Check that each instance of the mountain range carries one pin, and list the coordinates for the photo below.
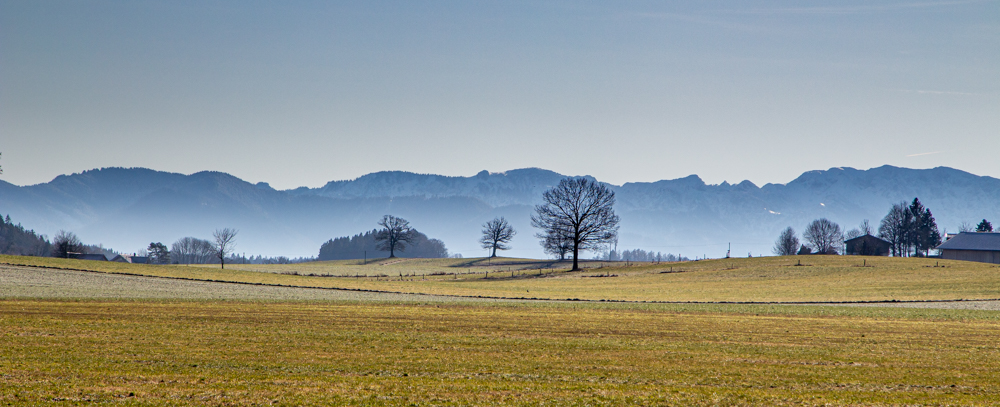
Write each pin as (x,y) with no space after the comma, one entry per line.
(127,208)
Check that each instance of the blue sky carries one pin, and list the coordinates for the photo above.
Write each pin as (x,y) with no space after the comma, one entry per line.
(300,93)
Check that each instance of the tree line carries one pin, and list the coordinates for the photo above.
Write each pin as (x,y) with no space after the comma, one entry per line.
(15,239)
(910,229)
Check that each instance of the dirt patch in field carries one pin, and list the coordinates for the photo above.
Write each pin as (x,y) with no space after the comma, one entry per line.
(979,305)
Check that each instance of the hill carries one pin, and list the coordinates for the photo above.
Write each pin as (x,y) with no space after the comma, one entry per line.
(127,208)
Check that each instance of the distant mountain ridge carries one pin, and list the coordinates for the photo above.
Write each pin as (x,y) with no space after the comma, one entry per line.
(126,208)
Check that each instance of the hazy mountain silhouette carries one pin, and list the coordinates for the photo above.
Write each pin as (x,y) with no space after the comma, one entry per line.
(127,208)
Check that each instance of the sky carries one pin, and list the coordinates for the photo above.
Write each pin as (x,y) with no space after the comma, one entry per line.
(298,93)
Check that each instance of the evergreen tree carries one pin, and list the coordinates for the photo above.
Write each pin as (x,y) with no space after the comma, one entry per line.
(984,226)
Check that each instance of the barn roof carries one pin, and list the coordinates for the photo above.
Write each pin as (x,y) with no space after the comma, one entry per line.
(867,237)
(973,241)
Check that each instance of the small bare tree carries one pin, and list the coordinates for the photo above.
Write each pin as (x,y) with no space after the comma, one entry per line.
(866,228)
(555,244)
(224,243)
(853,233)
(824,236)
(580,210)
(395,234)
(66,244)
(965,227)
(787,244)
(497,233)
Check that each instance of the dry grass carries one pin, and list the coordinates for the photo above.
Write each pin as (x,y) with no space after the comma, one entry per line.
(767,279)
(220,353)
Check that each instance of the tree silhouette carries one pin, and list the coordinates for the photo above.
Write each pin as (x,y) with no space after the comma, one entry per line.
(579,210)
(395,234)
(824,236)
(787,244)
(497,233)
(984,226)
(224,243)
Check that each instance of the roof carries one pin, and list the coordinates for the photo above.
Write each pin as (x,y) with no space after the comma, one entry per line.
(867,237)
(973,241)
(100,257)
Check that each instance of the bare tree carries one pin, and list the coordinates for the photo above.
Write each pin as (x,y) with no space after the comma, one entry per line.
(866,228)
(395,234)
(824,236)
(556,244)
(191,250)
(65,244)
(497,233)
(787,244)
(580,210)
(965,227)
(853,233)
(894,228)
(224,243)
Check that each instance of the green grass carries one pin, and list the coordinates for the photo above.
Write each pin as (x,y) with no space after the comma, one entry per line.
(765,279)
(239,353)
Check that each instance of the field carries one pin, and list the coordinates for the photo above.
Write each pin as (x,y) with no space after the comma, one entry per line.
(765,279)
(238,353)
(114,337)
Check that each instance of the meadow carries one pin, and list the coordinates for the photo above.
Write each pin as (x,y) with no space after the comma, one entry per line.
(362,353)
(114,335)
(763,279)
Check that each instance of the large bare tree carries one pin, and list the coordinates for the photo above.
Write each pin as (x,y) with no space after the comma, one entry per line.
(224,243)
(395,234)
(824,236)
(580,210)
(787,244)
(497,233)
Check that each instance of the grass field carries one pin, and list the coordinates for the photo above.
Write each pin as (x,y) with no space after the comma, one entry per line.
(239,353)
(118,337)
(765,279)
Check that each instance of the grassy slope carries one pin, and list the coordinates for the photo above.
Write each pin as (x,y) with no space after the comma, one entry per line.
(820,278)
(220,353)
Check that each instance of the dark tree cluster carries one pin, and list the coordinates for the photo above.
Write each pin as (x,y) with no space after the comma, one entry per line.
(910,229)
(158,253)
(15,239)
(365,244)
(984,227)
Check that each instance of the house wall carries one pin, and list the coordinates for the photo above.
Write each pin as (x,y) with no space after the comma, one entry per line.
(982,256)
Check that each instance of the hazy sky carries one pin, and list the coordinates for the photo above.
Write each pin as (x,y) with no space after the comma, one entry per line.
(301,93)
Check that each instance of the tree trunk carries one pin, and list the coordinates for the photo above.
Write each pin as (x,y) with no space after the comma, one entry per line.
(576,256)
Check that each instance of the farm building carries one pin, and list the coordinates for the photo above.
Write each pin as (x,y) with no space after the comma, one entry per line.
(972,246)
(867,245)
